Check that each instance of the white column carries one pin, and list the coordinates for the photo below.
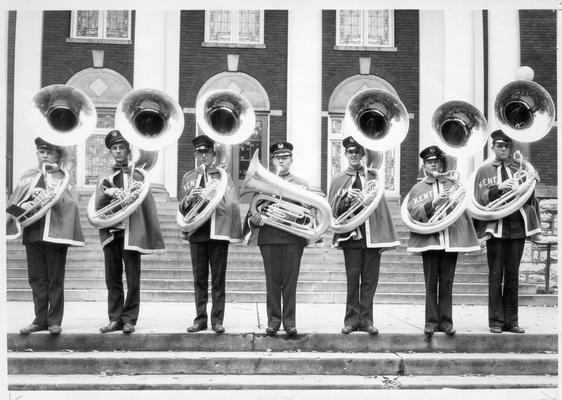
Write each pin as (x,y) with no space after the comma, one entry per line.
(3,102)
(27,81)
(504,57)
(304,91)
(155,69)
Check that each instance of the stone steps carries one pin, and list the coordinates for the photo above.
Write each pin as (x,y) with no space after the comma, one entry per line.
(272,382)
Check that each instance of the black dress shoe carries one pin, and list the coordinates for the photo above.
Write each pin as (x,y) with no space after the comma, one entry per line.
(218,328)
(517,329)
(111,327)
(450,331)
(371,330)
(292,331)
(129,327)
(196,327)
(348,329)
(32,328)
(495,329)
(271,331)
(429,331)
(55,329)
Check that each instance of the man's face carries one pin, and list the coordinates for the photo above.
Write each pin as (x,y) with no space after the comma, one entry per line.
(205,156)
(434,165)
(45,155)
(282,163)
(354,155)
(501,150)
(120,153)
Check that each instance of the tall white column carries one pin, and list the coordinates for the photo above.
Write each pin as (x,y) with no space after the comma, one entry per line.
(157,67)
(27,81)
(503,54)
(304,92)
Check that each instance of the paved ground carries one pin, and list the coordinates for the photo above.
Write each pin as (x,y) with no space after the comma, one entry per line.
(251,317)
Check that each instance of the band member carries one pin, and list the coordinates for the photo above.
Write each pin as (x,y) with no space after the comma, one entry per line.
(439,250)
(124,242)
(47,240)
(209,243)
(505,238)
(281,252)
(363,246)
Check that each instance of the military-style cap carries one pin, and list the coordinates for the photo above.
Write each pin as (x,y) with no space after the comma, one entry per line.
(432,153)
(40,143)
(500,137)
(350,142)
(114,137)
(203,142)
(281,149)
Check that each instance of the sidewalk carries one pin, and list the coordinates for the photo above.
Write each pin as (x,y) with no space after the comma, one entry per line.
(166,317)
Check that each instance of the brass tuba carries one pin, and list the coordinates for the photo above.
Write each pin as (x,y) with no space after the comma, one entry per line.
(284,205)
(525,112)
(63,116)
(460,130)
(377,120)
(150,120)
(228,118)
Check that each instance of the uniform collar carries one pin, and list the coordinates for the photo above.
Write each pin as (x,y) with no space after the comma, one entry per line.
(507,162)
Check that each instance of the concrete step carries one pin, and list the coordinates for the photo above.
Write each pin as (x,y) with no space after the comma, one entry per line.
(243,272)
(304,297)
(291,363)
(258,283)
(272,382)
(257,341)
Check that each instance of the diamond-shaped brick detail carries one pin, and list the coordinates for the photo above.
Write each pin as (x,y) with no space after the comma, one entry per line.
(98,87)
(234,87)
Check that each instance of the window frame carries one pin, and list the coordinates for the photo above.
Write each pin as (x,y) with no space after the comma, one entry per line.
(102,25)
(234,41)
(364,33)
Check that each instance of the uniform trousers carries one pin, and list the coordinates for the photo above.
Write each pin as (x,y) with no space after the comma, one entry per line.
(115,256)
(439,272)
(45,269)
(282,265)
(211,253)
(504,257)
(362,271)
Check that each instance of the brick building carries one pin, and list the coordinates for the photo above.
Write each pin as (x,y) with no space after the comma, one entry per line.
(298,69)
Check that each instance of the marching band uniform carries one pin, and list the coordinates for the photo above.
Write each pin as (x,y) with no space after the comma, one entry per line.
(505,239)
(209,243)
(439,250)
(46,242)
(140,233)
(281,253)
(361,247)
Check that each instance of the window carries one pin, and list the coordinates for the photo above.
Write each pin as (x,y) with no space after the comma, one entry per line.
(360,29)
(234,27)
(338,162)
(98,25)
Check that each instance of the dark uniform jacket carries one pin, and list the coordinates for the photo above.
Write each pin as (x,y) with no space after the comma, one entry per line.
(142,230)
(458,237)
(522,223)
(61,224)
(379,228)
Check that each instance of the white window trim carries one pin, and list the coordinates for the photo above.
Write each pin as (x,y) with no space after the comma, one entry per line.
(234,40)
(330,138)
(101,31)
(364,33)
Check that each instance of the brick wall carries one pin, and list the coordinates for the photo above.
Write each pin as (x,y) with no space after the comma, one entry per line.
(400,69)
(538,50)
(61,60)
(198,64)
